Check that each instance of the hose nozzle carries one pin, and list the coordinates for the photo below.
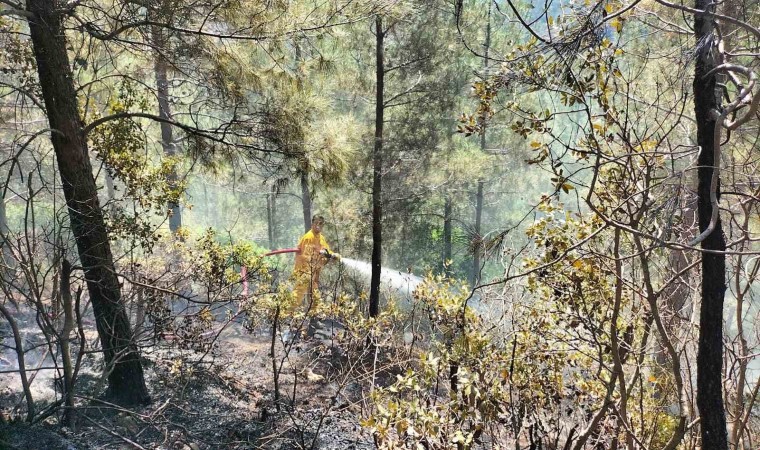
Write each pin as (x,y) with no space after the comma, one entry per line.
(326,253)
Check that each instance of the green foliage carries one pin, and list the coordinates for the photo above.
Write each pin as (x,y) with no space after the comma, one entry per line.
(17,63)
(416,411)
(120,144)
(218,265)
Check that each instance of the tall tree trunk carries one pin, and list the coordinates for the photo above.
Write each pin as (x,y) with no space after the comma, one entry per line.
(6,254)
(126,381)
(377,173)
(477,248)
(677,293)
(306,200)
(20,352)
(20,358)
(110,190)
(69,415)
(274,216)
(206,205)
(710,347)
(478,239)
(160,67)
(446,236)
(270,219)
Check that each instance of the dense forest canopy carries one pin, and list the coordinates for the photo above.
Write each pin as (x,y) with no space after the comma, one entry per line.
(383,224)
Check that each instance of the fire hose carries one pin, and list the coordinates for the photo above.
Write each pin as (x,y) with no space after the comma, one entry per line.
(323,252)
(282,250)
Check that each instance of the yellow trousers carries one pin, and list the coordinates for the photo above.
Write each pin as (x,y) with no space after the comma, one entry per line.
(304,296)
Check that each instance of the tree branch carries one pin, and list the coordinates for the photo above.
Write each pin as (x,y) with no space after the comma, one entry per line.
(24,92)
(16,12)
(728,19)
(13,5)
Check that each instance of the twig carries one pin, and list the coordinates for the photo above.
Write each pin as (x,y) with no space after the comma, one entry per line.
(115,434)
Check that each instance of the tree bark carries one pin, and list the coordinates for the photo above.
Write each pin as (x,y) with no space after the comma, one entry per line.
(446,237)
(377,173)
(274,216)
(69,415)
(306,200)
(19,349)
(160,67)
(125,377)
(270,220)
(110,190)
(5,243)
(478,239)
(206,205)
(710,347)
(477,248)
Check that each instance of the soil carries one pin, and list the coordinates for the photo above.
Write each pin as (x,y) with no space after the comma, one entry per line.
(220,399)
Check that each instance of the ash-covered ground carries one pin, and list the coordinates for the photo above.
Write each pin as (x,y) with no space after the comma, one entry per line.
(219,398)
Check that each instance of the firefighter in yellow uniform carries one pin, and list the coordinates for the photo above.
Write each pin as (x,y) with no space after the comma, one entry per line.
(313,254)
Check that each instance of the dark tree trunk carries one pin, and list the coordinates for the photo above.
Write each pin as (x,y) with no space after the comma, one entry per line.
(160,67)
(377,174)
(5,243)
(447,237)
(126,381)
(270,219)
(20,352)
(477,238)
(110,189)
(274,216)
(710,349)
(206,205)
(477,248)
(306,200)
(69,415)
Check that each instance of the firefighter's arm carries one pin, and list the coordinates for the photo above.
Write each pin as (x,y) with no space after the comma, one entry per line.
(327,251)
(329,255)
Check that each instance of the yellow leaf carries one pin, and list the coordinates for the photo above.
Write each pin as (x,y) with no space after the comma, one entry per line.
(652,379)
(617,24)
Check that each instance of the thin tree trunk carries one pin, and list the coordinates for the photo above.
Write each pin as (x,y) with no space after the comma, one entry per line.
(19,348)
(477,248)
(676,295)
(69,415)
(710,348)
(110,189)
(447,236)
(273,224)
(306,200)
(478,239)
(270,225)
(273,355)
(126,380)
(206,205)
(6,254)
(160,68)
(139,313)
(377,174)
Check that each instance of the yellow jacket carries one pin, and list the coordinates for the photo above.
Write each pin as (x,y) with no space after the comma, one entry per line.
(308,257)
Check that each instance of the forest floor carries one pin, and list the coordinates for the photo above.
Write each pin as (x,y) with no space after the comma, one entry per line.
(222,399)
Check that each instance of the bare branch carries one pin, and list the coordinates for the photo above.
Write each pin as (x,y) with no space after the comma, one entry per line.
(728,19)
(16,12)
